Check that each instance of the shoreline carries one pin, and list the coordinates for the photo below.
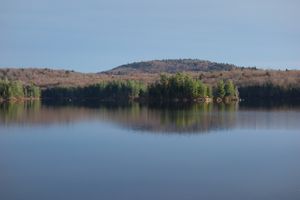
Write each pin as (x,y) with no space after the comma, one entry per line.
(23,99)
(137,100)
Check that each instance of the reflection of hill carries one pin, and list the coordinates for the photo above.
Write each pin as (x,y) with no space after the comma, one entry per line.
(198,118)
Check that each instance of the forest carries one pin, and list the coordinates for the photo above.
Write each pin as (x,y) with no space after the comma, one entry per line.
(178,87)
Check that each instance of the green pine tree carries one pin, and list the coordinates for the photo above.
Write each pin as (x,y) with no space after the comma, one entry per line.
(221,89)
(229,88)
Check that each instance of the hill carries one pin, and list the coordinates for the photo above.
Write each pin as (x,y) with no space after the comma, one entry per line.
(170,66)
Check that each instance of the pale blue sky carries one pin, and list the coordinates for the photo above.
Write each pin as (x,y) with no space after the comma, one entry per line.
(95,35)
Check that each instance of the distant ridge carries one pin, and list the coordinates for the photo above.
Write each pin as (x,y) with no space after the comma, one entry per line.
(149,71)
(170,66)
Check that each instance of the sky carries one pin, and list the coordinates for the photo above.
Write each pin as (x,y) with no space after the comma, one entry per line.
(97,35)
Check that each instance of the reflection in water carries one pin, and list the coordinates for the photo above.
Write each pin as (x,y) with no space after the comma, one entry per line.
(193,118)
(90,152)
(197,118)
(18,112)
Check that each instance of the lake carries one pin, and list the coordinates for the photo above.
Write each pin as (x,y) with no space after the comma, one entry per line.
(62,152)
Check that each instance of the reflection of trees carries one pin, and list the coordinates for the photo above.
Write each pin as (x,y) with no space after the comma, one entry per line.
(175,118)
(195,118)
(34,113)
(18,111)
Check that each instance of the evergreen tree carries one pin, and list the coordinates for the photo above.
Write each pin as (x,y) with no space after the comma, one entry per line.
(209,91)
(32,91)
(15,90)
(229,88)
(4,89)
(221,89)
(202,91)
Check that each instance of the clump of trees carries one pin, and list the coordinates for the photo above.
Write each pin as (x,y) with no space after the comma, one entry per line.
(227,89)
(32,91)
(15,90)
(178,87)
(184,87)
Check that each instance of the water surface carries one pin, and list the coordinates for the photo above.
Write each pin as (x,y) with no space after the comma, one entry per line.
(149,152)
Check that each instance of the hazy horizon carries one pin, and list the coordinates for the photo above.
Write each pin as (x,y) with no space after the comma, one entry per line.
(93,36)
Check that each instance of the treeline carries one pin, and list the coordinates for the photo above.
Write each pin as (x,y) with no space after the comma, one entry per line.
(169,88)
(14,90)
(105,91)
(178,87)
(184,87)
(270,92)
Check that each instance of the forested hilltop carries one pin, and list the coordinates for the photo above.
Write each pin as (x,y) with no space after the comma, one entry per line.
(252,82)
(171,66)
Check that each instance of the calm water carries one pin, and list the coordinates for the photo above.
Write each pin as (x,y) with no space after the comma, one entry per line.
(138,152)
